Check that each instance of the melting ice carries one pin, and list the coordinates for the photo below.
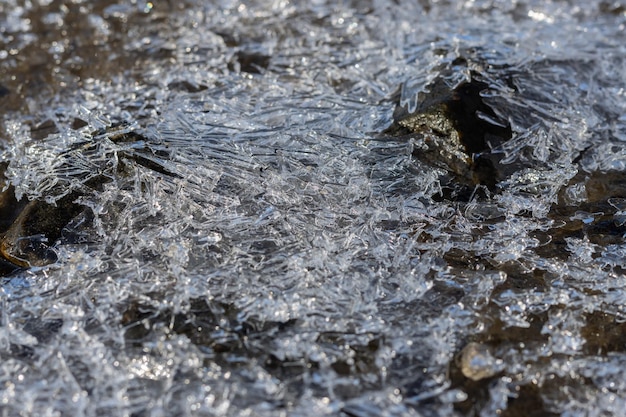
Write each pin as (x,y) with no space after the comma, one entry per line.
(249,241)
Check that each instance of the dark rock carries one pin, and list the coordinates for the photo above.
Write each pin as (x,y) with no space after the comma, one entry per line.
(456,131)
(30,229)
(251,62)
(29,240)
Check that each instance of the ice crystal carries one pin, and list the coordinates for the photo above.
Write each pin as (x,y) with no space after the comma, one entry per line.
(251,241)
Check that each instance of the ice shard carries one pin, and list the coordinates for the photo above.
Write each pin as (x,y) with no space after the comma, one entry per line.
(353,208)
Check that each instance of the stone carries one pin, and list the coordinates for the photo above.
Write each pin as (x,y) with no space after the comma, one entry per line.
(455,130)
(477,362)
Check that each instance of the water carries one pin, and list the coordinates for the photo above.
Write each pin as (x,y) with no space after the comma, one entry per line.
(252,243)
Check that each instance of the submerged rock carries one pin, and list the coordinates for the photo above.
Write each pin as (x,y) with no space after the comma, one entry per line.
(456,130)
(477,362)
(38,226)
(30,229)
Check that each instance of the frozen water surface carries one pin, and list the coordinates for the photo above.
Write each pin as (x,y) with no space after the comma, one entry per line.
(250,242)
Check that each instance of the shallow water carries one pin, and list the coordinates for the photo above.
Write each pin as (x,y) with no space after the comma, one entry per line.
(253,243)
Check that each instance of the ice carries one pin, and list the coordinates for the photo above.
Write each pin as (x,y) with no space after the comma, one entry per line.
(251,240)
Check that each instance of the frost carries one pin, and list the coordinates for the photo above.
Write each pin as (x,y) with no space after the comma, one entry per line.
(250,240)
